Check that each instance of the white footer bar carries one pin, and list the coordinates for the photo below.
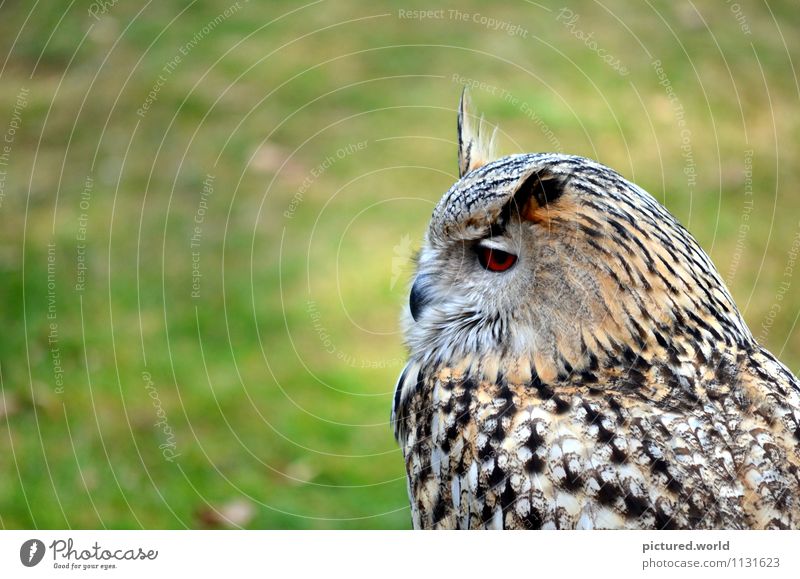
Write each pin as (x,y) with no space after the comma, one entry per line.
(331,554)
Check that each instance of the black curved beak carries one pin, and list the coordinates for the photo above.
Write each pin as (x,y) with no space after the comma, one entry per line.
(420,295)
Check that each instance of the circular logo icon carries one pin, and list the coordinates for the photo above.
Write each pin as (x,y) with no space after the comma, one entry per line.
(31,552)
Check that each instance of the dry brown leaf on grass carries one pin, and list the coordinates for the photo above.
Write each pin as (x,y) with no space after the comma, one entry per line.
(233,514)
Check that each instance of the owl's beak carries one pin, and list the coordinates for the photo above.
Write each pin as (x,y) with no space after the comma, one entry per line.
(420,295)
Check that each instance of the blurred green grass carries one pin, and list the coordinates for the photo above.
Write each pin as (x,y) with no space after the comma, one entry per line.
(276,381)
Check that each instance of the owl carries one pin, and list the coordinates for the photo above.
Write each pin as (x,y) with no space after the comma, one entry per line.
(576,362)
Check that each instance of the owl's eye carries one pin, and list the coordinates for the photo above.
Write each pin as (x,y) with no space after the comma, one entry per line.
(495,260)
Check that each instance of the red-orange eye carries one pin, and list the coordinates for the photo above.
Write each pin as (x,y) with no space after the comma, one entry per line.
(495,260)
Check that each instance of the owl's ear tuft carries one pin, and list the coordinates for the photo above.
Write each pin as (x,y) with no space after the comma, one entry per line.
(474,150)
(535,192)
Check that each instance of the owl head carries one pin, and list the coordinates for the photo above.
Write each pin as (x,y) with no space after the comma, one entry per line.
(558,263)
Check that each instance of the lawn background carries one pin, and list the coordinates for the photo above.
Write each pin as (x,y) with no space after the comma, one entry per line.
(307,143)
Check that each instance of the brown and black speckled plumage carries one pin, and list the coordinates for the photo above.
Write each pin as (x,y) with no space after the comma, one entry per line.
(606,380)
